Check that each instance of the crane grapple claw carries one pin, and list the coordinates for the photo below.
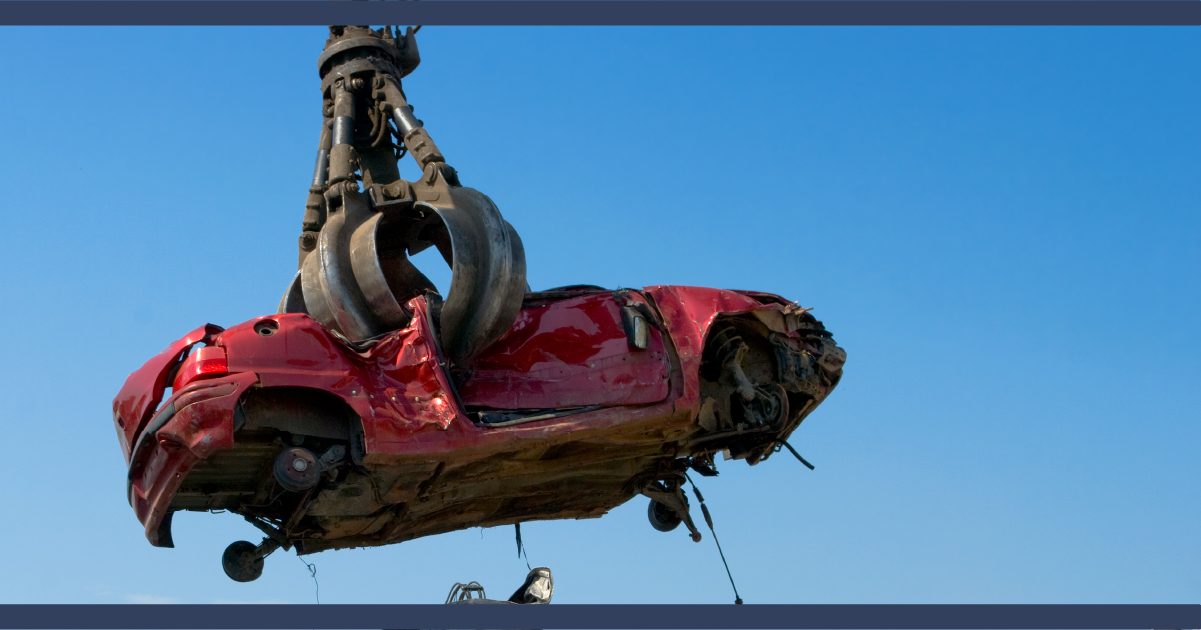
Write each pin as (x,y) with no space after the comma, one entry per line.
(355,274)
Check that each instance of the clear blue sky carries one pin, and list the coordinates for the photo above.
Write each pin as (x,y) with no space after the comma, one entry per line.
(1000,225)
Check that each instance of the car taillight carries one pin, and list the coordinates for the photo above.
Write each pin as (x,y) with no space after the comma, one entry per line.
(203,363)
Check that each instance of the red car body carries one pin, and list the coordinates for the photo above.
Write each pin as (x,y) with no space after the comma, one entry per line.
(573,412)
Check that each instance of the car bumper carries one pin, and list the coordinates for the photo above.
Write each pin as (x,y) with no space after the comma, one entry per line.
(195,423)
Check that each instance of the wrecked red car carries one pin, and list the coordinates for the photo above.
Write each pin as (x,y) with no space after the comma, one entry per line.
(370,411)
(592,397)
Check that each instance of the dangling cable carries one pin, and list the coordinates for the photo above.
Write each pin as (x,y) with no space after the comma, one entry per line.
(709,521)
(793,450)
(313,570)
(521,548)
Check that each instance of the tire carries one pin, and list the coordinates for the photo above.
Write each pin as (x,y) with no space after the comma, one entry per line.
(662,517)
(241,563)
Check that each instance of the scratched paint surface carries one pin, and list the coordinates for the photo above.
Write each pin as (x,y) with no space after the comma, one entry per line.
(143,390)
(688,312)
(568,353)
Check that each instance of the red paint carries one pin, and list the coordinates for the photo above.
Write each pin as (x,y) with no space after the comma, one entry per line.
(567,353)
(202,425)
(563,352)
(688,312)
(144,389)
(205,362)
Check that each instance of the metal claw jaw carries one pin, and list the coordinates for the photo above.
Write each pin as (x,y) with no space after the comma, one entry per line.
(487,274)
(359,276)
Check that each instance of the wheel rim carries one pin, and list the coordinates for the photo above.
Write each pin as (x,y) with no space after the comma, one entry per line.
(297,470)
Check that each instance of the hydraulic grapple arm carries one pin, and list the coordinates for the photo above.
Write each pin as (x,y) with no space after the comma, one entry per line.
(354,270)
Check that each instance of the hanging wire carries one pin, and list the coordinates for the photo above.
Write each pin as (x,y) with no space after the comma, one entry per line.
(793,450)
(313,571)
(521,548)
(709,521)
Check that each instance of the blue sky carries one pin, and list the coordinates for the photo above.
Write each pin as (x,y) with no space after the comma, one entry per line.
(1000,225)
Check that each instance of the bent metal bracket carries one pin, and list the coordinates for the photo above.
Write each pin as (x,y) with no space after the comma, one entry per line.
(354,272)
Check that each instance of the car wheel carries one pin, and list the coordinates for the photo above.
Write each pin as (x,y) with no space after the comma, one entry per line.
(662,517)
(241,562)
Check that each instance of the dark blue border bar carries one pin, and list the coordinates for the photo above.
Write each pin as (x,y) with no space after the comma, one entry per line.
(930,617)
(602,12)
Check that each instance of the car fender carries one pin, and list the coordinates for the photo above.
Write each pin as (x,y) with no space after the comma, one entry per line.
(143,390)
(193,425)
(688,314)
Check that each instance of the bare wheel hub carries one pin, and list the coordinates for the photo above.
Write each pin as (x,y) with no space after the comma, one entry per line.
(297,470)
